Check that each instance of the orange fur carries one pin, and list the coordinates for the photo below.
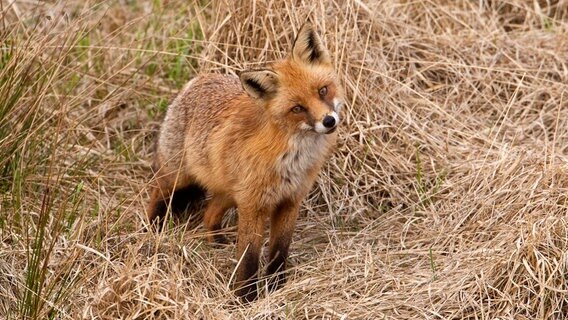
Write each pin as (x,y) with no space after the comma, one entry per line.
(256,143)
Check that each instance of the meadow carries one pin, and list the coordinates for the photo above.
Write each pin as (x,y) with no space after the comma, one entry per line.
(446,197)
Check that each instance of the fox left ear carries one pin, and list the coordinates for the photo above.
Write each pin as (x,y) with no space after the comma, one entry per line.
(308,47)
(259,84)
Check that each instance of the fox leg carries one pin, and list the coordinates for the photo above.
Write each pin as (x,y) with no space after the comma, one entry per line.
(159,201)
(282,224)
(249,238)
(213,216)
(167,191)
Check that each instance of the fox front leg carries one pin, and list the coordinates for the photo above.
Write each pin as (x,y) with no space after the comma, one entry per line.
(249,241)
(282,224)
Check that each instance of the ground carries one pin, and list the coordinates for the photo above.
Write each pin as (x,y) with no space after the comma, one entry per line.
(446,198)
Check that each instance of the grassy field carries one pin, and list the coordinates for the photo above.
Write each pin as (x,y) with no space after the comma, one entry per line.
(447,196)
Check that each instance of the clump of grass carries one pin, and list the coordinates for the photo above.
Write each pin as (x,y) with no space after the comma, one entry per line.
(446,197)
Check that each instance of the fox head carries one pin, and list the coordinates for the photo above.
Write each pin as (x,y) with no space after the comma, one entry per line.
(301,92)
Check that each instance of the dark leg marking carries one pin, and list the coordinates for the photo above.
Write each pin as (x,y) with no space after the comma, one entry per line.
(247,288)
(283,221)
(219,238)
(277,265)
(186,197)
(181,200)
(157,213)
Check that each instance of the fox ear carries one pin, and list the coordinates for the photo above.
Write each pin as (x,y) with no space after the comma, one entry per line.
(308,47)
(259,84)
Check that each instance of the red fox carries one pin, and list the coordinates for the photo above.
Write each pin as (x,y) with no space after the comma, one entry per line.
(256,142)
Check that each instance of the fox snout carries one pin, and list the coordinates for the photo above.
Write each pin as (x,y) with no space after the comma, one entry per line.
(329,122)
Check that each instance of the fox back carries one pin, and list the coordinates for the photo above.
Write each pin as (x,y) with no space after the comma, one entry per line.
(257,142)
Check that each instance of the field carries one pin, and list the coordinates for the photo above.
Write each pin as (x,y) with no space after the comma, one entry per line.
(446,197)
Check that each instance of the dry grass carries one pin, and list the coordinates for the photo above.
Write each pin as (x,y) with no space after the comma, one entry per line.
(446,199)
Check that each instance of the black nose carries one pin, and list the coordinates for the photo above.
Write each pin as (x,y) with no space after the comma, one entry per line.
(329,122)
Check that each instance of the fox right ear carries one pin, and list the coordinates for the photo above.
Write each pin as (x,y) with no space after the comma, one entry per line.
(259,84)
(309,48)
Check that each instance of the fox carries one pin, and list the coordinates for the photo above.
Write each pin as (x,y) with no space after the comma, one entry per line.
(255,141)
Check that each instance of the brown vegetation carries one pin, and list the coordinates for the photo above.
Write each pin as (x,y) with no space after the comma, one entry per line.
(446,199)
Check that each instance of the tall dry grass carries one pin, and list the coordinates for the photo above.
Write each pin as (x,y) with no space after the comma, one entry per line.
(447,197)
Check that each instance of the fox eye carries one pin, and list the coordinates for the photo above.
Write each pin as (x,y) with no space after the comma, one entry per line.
(298,108)
(323,91)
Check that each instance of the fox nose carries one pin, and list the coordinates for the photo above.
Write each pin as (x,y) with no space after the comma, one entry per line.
(328,122)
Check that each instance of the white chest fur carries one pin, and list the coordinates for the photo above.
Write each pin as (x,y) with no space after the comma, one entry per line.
(304,151)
